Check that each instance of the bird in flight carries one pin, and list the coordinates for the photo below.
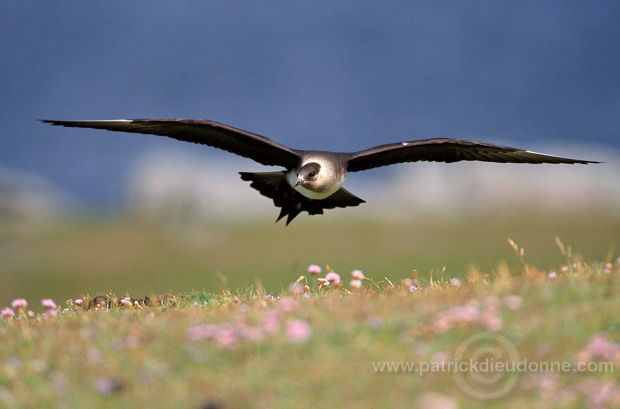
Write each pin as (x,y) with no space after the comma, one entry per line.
(312,180)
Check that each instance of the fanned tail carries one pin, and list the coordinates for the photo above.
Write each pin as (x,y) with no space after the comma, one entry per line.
(274,186)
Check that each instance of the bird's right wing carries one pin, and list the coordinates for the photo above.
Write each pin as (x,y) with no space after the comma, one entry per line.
(446,150)
(259,148)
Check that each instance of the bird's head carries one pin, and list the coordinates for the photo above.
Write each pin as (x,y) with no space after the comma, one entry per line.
(307,175)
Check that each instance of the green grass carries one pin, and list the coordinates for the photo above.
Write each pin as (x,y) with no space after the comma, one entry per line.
(229,333)
(234,349)
(72,256)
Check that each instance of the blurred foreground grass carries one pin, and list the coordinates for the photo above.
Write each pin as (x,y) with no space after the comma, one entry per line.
(391,344)
(77,256)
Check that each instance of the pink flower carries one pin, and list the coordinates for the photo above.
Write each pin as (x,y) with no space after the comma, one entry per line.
(78,302)
(271,323)
(7,313)
(19,304)
(287,304)
(333,278)
(322,282)
(441,324)
(227,338)
(252,334)
(492,321)
(298,330)
(463,314)
(357,274)
(48,303)
(355,284)
(601,347)
(513,302)
(201,332)
(492,302)
(471,314)
(455,282)
(314,269)
(552,275)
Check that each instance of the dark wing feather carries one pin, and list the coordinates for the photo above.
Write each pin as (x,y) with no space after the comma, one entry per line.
(259,148)
(446,150)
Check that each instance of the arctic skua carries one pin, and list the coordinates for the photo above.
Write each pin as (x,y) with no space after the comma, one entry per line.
(312,179)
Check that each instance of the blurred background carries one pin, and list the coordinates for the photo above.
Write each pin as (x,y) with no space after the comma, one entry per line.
(86,211)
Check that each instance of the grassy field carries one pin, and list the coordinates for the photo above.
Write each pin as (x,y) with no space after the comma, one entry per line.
(511,310)
(393,344)
(74,257)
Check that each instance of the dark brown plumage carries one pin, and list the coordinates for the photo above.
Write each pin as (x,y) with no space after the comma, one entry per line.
(313,191)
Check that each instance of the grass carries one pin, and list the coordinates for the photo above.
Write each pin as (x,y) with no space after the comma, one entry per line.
(232,325)
(90,256)
(330,347)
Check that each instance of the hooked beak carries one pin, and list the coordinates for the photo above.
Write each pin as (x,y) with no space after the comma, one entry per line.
(299,181)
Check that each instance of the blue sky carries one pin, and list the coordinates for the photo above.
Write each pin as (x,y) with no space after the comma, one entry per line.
(330,75)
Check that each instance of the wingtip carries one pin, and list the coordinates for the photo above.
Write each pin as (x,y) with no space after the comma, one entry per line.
(52,122)
(586,162)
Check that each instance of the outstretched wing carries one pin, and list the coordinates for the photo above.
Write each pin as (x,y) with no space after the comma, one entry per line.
(446,150)
(259,148)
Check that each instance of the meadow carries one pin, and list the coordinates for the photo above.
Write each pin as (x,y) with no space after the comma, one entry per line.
(73,256)
(500,311)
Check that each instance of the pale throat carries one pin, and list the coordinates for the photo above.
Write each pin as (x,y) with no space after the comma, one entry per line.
(325,185)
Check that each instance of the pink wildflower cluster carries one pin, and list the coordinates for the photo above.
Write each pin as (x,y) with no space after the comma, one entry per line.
(409,285)
(597,393)
(226,335)
(357,282)
(600,348)
(485,312)
(229,335)
(19,307)
(579,267)
(50,307)
(48,304)
(19,304)
(333,279)
(298,330)
(7,313)
(330,278)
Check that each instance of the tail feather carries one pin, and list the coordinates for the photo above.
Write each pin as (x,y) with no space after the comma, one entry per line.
(274,186)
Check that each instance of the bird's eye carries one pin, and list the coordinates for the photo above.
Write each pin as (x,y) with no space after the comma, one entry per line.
(311,174)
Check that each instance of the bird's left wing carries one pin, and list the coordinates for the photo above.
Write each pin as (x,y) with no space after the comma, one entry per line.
(259,148)
(446,150)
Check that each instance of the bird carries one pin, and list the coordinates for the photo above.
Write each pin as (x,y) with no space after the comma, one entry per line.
(312,179)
